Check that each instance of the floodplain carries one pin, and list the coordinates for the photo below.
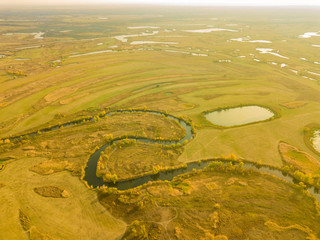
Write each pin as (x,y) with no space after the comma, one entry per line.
(131,87)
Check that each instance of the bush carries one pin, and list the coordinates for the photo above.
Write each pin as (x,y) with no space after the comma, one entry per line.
(232,156)
(107,177)
(109,138)
(215,165)
(156,169)
(306,178)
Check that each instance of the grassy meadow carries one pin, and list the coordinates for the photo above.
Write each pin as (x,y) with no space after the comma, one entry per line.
(62,64)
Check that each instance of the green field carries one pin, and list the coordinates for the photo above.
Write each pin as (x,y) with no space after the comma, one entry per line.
(87,60)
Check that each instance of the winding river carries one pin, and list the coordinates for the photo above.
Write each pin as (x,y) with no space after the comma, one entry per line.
(90,170)
(92,180)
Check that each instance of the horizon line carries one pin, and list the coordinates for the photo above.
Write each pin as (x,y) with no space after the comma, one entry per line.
(164,4)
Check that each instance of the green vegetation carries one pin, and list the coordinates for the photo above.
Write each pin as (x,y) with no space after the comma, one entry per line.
(301,165)
(141,75)
(299,160)
(82,67)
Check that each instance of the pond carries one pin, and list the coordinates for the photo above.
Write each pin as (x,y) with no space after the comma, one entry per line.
(239,116)
(151,42)
(189,53)
(247,39)
(310,34)
(141,27)
(270,51)
(209,30)
(124,38)
(315,140)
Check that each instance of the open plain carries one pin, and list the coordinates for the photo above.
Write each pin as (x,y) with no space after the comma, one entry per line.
(134,80)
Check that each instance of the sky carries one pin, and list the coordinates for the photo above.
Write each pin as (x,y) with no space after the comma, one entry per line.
(168,2)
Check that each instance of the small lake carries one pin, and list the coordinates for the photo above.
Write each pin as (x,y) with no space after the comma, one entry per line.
(141,27)
(239,116)
(269,51)
(124,38)
(209,30)
(315,140)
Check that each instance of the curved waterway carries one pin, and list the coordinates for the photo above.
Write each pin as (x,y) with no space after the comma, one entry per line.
(170,174)
(92,180)
(90,171)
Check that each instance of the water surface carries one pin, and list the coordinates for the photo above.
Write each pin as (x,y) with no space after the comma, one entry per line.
(238,116)
(151,42)
(315,140)
(209,30)
(90,171)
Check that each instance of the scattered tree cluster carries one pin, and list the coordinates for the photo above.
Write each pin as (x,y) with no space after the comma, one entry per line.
(303,178)
(16,73)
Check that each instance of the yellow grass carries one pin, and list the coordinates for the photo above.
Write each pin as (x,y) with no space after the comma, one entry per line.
(78,216)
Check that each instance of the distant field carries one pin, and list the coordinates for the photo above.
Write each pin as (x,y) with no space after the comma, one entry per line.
(59,65)
(165,76)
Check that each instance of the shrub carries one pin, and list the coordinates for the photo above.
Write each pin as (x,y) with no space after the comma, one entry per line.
(156,169)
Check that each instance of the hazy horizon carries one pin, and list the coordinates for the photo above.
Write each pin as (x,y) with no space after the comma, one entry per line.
(167,2)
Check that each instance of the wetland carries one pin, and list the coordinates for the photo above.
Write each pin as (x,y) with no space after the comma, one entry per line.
(108,130)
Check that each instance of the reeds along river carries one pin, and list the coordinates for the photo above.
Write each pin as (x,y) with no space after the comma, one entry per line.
(90,170)
(92,180)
